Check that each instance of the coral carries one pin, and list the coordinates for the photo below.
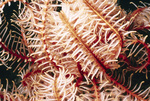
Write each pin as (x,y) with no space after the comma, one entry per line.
(74,50)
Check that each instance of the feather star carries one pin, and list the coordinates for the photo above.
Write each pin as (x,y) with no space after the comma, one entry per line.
(74,50)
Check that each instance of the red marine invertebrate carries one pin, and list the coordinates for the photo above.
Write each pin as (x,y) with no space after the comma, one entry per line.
(74,50)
